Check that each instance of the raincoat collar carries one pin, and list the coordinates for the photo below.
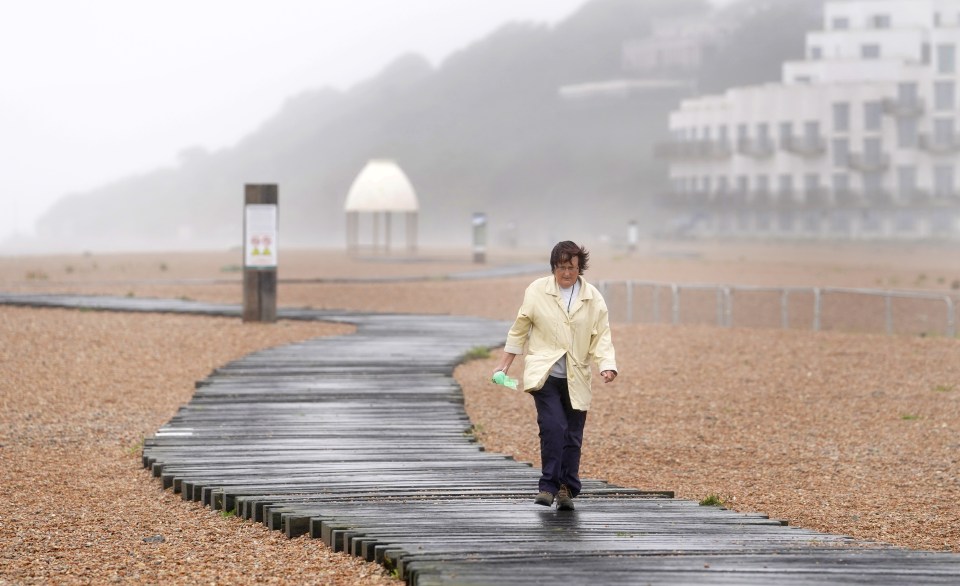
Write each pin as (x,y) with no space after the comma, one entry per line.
(583,292)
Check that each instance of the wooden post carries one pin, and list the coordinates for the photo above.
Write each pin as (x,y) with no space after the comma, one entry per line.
(260,219)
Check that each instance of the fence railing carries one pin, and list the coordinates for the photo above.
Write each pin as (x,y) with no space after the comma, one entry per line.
(816,308)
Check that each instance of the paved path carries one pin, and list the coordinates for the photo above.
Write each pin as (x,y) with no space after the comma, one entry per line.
(362,441)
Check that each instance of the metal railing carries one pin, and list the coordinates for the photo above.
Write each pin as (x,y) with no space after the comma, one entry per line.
(816,308)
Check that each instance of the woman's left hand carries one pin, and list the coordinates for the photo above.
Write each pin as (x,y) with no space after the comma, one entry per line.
(608,375)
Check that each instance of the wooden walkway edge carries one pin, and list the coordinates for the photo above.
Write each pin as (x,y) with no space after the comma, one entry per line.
(362,441)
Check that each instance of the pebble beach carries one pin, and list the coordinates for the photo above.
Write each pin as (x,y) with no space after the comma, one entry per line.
(848,432)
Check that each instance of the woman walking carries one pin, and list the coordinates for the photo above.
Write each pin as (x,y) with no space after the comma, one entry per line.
(563,322)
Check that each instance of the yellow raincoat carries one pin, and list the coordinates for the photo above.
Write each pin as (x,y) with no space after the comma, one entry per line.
(549,332)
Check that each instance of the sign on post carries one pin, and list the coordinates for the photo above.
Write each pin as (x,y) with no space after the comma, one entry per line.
(260,245)
(260,221)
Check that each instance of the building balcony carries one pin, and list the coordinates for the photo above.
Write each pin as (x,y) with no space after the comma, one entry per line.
(899,108)
(763,197)
(693,149)
(867,162)
(879,196)
(940,145)
(846,197)
(951,197)
(812,199)
(703,199)
(758,148)
(682,199)
(913,195)
(805,146)
(818,196)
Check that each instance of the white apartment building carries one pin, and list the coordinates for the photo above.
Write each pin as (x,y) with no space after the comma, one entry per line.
(859,140)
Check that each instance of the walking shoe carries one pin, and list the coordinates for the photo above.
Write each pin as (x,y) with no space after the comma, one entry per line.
(564,500)
(544,498)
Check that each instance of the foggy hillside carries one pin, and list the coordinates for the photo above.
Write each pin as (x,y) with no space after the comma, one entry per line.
(485,131)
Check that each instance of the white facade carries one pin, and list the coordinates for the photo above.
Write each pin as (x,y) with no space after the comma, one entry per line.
(859,140)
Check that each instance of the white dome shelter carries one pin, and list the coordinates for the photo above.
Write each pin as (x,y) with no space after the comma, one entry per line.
(379,190)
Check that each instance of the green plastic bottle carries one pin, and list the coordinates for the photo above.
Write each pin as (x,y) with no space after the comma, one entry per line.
(501,378)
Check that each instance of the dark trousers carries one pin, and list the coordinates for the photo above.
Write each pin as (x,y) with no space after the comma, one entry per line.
(561,436)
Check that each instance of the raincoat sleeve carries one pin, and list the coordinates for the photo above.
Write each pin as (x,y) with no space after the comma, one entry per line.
(601,342)
(520,330)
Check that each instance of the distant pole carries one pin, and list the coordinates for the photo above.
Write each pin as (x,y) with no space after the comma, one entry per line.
(633,235)
(260,219)
(479,237)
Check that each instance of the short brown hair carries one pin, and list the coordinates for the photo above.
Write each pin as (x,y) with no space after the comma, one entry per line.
(565,251)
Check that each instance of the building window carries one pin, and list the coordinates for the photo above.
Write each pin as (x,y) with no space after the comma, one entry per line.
(925,53)
(841,23)
(811,183)
(763,221)
(763,131)
(786,132)
(762,184)
(811,130)
(841,117)
(906,133)
(785,222)
(870,51)
(743,184)
(785,184)
(943,180)
(906,180)
(944,95)
(743,138)
(722,184)
(722,133)
(881,21)
(907,93)
(763,137)
(841,183)
(872,150)
(816,53)
(872,184)
(841,152)
(946,58)
(840,222)
(943,131)
(872,115)
(905,221)
(707,183)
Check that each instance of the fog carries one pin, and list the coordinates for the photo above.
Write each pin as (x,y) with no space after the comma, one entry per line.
(100,90)
(128,127)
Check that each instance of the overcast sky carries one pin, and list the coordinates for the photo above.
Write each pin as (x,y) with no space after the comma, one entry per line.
(96,90)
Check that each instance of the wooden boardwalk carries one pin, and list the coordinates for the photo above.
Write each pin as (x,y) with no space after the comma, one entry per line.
(362,441)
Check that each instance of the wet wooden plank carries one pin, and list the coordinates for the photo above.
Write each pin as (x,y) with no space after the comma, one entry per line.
(362,442)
